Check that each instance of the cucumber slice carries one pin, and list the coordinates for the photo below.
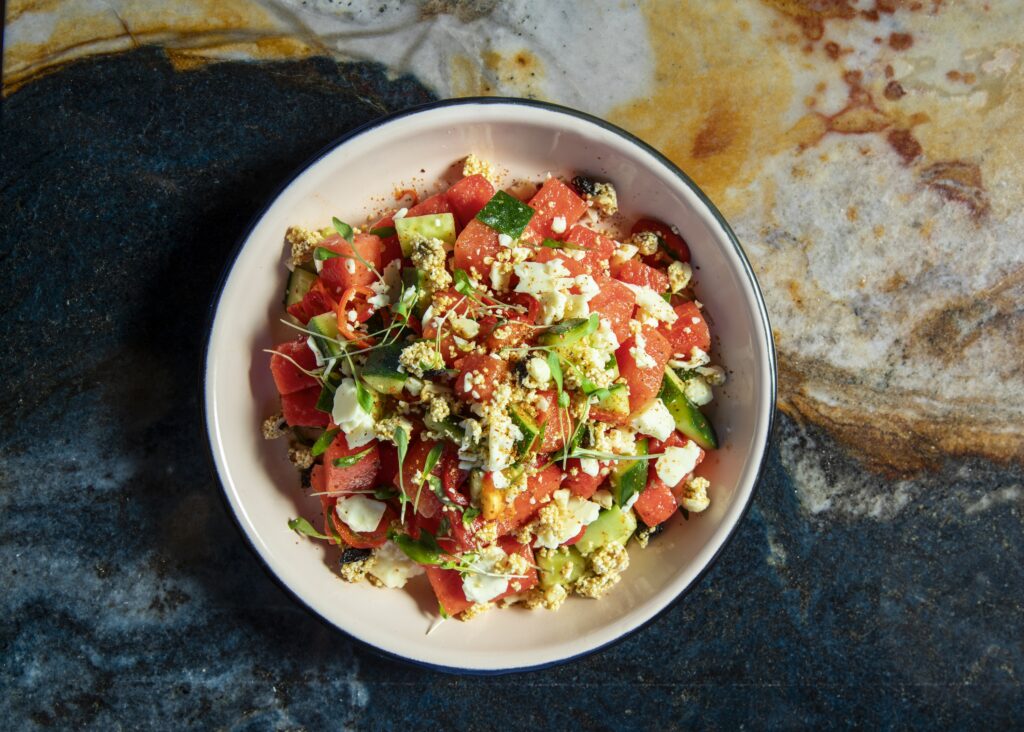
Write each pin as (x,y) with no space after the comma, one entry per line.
(380,372)
(506,215)
(447,427)
(617,400)
(561,566)
(613,525)
(412,277)
(689,419)
(527,426)
(630,476)
(432,226)
(299,282)
(569,331)
(326,327)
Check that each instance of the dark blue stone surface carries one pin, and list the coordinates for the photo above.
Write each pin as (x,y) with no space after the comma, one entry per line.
(130,600)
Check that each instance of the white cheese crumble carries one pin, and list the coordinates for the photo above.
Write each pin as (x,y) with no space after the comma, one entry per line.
(652,304)
(697,359)
(347,413)
(505,240)
(623,253)
(539,371)
(679,274)
(479,585)
(590,466)
(654,420)
(677,462)
(558,224)
(697,390)
(466,327)
(392,567)
(400,214)
(639,353)
(361,514)
(563,518)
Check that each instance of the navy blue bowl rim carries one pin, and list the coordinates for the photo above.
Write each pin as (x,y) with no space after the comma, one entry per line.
(559,109)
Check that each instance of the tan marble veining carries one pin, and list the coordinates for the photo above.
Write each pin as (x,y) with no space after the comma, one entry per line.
(867,152)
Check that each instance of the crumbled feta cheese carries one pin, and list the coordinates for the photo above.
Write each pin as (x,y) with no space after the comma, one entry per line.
(679,274)
(466,327)
(400,214)
(479,585)
(652,304)
(414,386)
(654,420)
(590,466)
(392,567)
(587,286)
(677,462)
(714,375)
(562,519)
(552,306)
(538,278)
(603,498)
(558,224)
(623,253)
(349,415)
(616,440)
(575,307)
(697,358)
(639,353)
(502,434)
(605,199)
(539,371)
(361,514)
(695,494)
(501,276)
(505,240)
(697,390)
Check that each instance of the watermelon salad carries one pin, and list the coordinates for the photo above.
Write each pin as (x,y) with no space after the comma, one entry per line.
(497,388)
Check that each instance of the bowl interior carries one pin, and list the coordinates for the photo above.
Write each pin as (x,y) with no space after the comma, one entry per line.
(358,178)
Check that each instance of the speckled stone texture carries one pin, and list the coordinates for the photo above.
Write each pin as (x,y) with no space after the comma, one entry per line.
(130,599)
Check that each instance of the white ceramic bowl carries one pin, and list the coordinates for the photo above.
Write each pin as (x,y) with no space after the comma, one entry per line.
(349,180)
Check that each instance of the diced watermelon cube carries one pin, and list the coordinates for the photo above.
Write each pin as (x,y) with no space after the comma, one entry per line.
(644,381)
(436,204)
(468,196)
(299,408)
(554,199)
(635,272)
(655,503)
(362,474)
(340,273)
(615,302)
(288,377)
(475,244)
(690,330)
(581,484)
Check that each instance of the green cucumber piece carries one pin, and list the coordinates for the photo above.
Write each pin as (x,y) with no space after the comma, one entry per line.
(553,563)
(380,372)
(325,402)
(299,282)
(325,326)
(506,215)
(613,525)
(569,331)
(448,427)
(526,425)
(630,476)
(617,399)
(689,419)
(412,277)
(432,226)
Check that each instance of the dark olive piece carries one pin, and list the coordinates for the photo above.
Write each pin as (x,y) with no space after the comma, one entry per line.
(584,186)
(351,554)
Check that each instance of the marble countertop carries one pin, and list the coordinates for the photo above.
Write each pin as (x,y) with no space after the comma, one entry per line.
(868,154)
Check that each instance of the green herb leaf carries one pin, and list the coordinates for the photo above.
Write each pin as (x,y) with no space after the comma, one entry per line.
(432,457)
(563,399)
(323,442)
(383,232)
(322,253)
(349,460)
(342,228)
(384,493)
(555,366)
(424,551)
(506,215)
(462,282)
(444,613)
(364,397)
(554,244)
(469,515)
(402,443)
(302,526)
